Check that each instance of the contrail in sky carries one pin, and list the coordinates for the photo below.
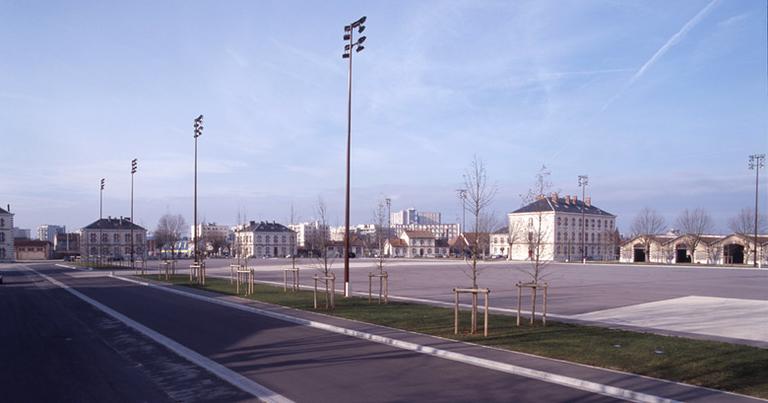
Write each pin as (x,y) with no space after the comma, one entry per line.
(663,49)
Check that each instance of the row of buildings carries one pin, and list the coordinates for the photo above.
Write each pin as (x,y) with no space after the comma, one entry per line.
(554,227)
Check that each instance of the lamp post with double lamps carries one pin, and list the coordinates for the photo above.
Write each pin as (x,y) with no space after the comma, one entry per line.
(583,182)
(134,168)
(357,46)
(198,125)
(756,161)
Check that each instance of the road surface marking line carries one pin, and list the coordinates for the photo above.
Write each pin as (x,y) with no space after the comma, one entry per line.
(549,377)
(211,366)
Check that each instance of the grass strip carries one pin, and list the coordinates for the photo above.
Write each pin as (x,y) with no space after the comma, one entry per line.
(730,367)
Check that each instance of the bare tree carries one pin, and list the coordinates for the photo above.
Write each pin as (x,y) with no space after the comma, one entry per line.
(744,224)
(380,220)
(537,234)
(648,223)
(320,239)
(515,235)
(695,224)
(169,230)
(479,195)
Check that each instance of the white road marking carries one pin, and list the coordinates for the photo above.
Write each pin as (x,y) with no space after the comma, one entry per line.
(215,368)
(575,383)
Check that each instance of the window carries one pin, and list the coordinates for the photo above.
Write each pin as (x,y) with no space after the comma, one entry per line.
(599,223)
(2,222)
(593,237)
(592,222)
(127,238)
(93,237)
(2,236)
(598,239)
(138,238)
(116,238)
(284,239)
(2,253)
(93,250)
(104,238)
(127,250)
(558,220)
(258,238)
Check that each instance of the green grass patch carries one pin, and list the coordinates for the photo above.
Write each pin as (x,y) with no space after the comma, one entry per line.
(730,367)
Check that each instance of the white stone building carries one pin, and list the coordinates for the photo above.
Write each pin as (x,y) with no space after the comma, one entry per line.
(7,252)
(499,243)
(416,244)
(557,222)
(264,239)
(111,238)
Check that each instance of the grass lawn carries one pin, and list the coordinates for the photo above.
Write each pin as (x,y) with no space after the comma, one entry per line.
(724,366)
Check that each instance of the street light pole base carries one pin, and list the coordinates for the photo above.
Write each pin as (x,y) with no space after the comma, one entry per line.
(346,289)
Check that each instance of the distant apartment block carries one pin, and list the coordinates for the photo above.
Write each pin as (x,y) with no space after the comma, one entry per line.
(307,231)
(439,231)
(411,217)
(24,233)
(6,235)
(48,232)
(211,236)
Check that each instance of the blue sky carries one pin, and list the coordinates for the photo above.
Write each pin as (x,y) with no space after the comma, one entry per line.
(659,102)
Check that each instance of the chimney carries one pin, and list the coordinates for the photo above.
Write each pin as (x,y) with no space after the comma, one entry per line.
(567,200)
(575,200)
(588,201)
(9,207)
(553,197)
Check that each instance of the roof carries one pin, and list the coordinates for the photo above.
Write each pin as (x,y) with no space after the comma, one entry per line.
(113,223)
(264,226)
(546,204)
(502,230)
(30,242)
(3,211)
(397,243)
(419,234)
(441,243)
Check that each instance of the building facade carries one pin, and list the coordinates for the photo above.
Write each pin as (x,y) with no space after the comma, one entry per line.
(110,238)
(264,239)
(411,216)
(48,232)
(552,228)
(67,244)
(439,231)
(29,249)
(306,232)
(6,235)
(416,244)
(672,248)
(212,238)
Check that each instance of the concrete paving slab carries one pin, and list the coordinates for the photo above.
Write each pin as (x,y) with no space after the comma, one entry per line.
(715,316)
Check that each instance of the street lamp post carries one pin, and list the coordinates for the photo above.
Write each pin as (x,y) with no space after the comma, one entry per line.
(198,125)
(358,47)
(134,167)
(389,218)
(583,182)
(101,211)
(756,161)
(462,193)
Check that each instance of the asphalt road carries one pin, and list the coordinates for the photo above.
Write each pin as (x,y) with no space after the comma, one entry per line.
(303,363)
(56,348)
(574,288)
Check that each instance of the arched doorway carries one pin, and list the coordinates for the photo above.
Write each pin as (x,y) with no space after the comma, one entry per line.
(681,254)
(733,254)
(639,253)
